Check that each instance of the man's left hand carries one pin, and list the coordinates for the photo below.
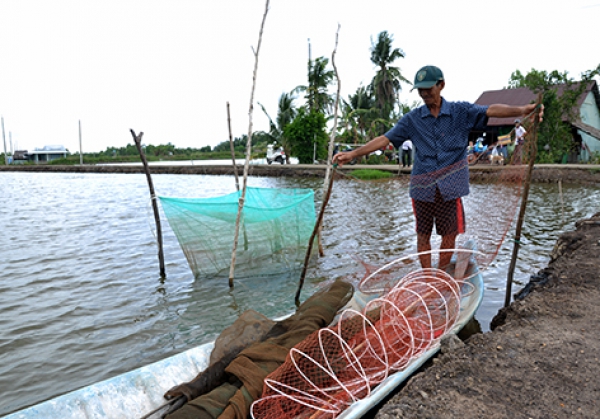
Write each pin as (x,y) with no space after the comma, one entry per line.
(529,111)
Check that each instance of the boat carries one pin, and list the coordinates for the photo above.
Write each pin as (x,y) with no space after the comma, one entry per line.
(139,393)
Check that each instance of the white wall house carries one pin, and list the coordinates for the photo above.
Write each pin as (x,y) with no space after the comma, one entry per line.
(47,153)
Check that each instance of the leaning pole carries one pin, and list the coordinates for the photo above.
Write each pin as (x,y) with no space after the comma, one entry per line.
(161,258)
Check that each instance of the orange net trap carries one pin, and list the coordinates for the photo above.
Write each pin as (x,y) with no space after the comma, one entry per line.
(339,365)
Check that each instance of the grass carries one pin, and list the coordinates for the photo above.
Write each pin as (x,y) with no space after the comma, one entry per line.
(371,174)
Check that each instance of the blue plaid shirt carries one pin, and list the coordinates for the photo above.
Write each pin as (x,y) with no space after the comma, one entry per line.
(439,143)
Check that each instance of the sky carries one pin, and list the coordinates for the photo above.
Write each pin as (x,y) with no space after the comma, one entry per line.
(168,68)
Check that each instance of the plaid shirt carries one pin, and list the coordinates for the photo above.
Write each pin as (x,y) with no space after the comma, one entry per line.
(440,146)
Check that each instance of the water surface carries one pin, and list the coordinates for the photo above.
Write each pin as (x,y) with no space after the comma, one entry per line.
(81,297)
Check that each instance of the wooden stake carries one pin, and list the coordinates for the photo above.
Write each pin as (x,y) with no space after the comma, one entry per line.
(237,179)
(248,150)
(329,175)
(533,148)
(562,202)
(312,239)
(161,259)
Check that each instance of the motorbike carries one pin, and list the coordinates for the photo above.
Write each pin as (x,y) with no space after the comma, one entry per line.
(277,156)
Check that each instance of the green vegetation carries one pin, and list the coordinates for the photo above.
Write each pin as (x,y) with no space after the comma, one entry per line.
(371,111)
(307,134)
(370,174)
(103,158)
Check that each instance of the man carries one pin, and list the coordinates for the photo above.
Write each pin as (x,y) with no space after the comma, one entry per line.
(519,140)
(439,131)
(407,153)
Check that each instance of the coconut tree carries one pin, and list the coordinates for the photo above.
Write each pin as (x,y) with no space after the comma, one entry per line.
(386,83)
(286,112)
(319,79)
(358,112)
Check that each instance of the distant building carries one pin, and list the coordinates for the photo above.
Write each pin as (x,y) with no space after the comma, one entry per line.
(585,128)
(47,153)
(20,157)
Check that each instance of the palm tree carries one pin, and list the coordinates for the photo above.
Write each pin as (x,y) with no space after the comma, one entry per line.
(358,111)
(286,112)
(319,79)
(386,83)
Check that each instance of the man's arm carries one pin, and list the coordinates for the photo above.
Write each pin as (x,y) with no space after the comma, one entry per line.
(373,145)
(505,111)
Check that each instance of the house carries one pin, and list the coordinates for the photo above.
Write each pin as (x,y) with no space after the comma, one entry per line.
(20,157)
(585,127)
(47,153)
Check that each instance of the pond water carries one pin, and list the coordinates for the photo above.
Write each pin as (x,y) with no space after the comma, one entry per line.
(81,297)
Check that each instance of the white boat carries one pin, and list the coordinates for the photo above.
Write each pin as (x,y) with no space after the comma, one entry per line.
(137,393)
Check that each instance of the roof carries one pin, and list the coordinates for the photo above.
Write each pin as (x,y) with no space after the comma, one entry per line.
(513,97)
(20,155)
(48,152)
(523,96)
(587,129)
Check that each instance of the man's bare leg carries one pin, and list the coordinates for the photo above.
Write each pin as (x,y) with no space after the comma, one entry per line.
(448,242)
(424,245)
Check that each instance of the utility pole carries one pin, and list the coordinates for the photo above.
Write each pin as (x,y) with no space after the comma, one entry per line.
(4,139)
(310,102)
(80,150)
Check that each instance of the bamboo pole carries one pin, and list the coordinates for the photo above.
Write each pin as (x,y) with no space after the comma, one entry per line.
(235,173)
(161,259)
(329,176)
(533,148)
(237,179)
(312,239)
(562,202)
(328,171)
(248,149)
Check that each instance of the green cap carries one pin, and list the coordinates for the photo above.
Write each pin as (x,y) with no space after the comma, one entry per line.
(427,77)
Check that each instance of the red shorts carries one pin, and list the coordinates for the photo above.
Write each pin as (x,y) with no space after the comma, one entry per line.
(448,216)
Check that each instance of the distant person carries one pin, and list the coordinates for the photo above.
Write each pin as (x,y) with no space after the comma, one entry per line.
(439,131)
(407,147)
(479,147)
(520,134)
(503,150)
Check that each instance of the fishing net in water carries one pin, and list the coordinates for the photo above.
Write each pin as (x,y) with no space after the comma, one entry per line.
(339,365)
(275,228)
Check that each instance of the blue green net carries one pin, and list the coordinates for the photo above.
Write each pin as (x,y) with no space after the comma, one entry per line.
(274,232)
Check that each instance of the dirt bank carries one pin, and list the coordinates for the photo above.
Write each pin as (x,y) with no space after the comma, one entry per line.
(568,173)
(541,359)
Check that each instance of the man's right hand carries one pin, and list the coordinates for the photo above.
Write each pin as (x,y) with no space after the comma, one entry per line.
(343,157)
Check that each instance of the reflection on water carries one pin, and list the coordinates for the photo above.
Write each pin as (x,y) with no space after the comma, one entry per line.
(81,298)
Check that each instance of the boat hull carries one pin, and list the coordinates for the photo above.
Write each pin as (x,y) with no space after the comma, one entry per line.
(138,392)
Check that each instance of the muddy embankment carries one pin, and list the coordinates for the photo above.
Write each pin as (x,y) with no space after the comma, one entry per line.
(582,174)
(541,359)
